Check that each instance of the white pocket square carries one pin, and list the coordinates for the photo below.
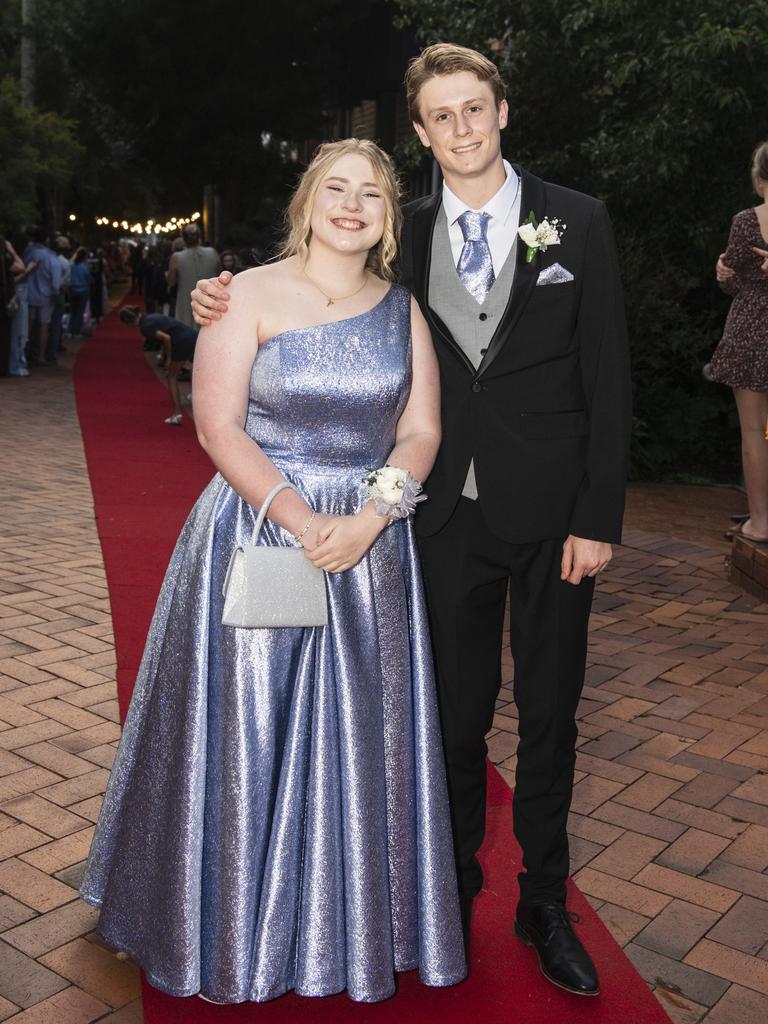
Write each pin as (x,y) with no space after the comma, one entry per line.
(556,274)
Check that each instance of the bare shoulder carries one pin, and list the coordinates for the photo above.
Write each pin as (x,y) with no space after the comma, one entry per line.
(254,283)
(259,282)
(255,295)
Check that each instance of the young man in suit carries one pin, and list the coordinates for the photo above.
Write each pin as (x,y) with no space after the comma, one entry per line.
(527,493)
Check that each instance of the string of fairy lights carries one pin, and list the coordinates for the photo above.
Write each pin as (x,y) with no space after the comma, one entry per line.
(149,227)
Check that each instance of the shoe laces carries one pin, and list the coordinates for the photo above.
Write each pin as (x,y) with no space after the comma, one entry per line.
(569,917)
(563,918)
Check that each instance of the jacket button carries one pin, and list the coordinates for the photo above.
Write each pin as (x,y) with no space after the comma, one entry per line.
(477,387)
(483,316)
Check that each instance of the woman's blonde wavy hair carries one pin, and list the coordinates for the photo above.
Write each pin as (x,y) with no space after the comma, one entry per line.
(298,231)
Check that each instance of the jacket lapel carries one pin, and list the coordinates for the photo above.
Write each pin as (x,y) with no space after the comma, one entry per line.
(423,225)
(533,197)
(423,232)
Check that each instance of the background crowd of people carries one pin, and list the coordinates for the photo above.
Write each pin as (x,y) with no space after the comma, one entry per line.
(51,289)
(153,279)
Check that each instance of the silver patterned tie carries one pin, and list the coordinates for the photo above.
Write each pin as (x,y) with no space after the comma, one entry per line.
(475,266)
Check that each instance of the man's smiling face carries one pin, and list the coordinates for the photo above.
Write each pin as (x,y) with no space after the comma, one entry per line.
(461,124)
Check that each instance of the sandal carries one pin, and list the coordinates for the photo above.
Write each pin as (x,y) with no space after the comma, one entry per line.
(738,531)
(174,421)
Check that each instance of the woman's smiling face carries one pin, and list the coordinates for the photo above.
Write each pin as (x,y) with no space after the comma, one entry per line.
(350,208)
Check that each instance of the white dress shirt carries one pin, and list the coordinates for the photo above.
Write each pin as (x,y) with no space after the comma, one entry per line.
(504,212)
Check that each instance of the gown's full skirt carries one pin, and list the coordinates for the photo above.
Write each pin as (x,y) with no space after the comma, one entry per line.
(277,816)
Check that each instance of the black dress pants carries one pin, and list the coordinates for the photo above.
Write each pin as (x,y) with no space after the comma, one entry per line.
(467,571)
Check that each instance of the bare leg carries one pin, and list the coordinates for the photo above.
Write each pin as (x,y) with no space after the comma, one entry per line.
(753,413)
(174,369)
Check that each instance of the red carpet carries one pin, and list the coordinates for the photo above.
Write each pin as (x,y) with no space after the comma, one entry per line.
(145,477)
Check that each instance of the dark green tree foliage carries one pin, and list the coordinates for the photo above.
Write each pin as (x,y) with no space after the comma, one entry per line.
(39,155)
(172,96)
(655,106)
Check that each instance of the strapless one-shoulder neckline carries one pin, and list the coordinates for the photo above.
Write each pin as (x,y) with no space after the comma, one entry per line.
(331,323)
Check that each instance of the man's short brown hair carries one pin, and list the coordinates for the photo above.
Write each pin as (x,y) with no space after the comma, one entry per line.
(448,59)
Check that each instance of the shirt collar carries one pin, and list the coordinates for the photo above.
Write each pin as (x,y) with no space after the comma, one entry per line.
(499,206)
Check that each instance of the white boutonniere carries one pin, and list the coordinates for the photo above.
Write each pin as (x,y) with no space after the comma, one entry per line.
(540,236)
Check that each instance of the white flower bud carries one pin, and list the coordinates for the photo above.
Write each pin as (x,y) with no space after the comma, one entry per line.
(529,235)
(390,482)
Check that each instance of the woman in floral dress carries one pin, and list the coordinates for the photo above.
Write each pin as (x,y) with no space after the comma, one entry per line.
(741,358)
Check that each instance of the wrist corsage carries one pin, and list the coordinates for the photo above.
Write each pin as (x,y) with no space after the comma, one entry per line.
(394,492)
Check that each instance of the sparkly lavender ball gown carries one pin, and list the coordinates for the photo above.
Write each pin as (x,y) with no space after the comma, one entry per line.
(277,815)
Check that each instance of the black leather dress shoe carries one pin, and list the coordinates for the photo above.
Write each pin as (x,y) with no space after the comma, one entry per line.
(562,958)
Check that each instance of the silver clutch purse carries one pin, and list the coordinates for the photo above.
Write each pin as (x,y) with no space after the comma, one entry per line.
(267,587)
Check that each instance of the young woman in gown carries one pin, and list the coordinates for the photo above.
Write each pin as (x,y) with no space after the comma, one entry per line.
(277,817)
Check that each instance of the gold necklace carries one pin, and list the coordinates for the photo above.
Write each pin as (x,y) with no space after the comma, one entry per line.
(339,298)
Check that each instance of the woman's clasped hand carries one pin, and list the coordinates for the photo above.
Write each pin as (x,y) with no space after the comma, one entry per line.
(336,543)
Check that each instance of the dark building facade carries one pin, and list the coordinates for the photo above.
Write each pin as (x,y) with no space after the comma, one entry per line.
(371,104)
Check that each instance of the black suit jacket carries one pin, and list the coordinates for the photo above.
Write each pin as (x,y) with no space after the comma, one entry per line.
(547,414)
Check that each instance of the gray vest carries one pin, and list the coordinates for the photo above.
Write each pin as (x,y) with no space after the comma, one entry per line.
(472,325)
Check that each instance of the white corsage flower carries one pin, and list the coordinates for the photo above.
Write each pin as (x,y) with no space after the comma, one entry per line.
(394,491)
(389,483)
(540,236)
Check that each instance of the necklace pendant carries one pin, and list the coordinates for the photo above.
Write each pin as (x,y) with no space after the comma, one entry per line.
(329,302)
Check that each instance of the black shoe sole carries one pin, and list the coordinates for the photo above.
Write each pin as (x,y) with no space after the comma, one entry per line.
(566,988)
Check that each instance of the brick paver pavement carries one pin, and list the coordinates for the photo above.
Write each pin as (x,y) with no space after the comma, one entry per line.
(669,822)
(670,814)
(58,715)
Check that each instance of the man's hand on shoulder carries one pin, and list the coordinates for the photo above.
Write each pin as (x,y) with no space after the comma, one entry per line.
(583,558)
(209,298)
